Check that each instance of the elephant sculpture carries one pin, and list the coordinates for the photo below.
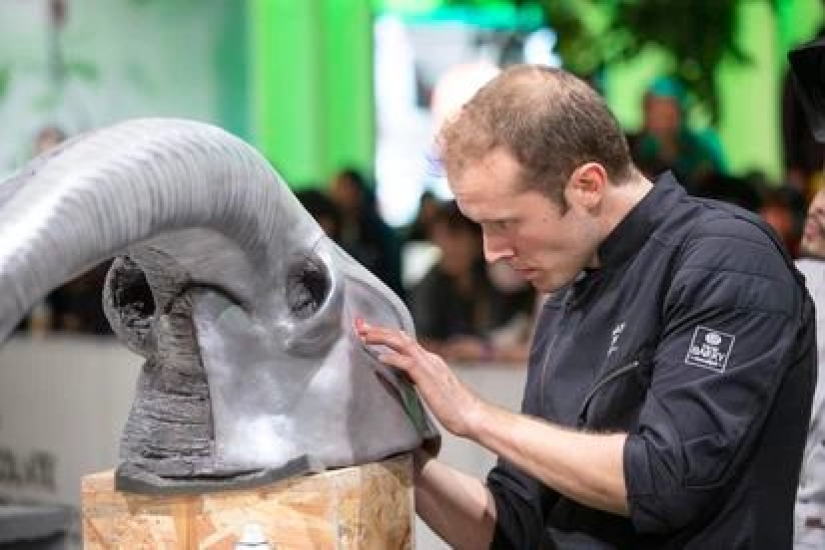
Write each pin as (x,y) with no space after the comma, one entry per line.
(239,303)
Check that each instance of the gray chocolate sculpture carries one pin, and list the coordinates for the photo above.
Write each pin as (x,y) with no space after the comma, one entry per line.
(240,304)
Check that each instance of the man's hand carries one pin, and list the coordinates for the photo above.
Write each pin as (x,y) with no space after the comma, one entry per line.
(457,507)
(452,403)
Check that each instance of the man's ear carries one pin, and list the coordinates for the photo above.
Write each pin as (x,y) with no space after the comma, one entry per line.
(587,186)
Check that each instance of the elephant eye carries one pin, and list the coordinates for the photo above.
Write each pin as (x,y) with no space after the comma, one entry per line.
(307,287)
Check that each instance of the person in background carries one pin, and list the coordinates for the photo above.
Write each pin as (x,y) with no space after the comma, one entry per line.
(453,298)
(666,142)
(78,305)
(418,252)
(420,228)
(803,155)
(363,232)
(321,207)
(519,305)
(457,309)
(47,138)
(514,308)
(671,373)
(809,525)
(784,210)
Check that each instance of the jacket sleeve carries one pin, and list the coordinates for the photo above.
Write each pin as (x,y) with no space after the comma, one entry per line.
(731,319)
(521,503)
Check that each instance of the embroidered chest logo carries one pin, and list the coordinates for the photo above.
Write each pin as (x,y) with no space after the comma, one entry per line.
(614,338)
(710,349)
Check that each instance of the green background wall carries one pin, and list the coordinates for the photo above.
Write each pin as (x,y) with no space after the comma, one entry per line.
(311,82)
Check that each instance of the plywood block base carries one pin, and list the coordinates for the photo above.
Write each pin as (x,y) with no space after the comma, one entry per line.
(363,507)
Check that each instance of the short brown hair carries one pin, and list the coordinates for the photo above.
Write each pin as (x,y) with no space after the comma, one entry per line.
(549,120)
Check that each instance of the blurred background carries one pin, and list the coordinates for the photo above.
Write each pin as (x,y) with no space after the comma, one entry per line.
(321,85)
(344,98)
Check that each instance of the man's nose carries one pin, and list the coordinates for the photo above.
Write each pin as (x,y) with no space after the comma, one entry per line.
(496,248)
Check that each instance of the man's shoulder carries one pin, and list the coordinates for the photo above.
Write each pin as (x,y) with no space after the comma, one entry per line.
(708,237)
(728,225)
(683,216)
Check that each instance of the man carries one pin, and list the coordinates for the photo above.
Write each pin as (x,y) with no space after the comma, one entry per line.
(809,87)
(809,529)
(672,367)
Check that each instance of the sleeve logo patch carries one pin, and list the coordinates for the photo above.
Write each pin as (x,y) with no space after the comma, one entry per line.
(710,349)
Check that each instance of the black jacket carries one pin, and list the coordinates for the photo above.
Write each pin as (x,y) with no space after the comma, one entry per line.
(696,337)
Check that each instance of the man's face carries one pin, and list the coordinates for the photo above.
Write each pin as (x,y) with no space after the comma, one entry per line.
(524,227)
(813,235)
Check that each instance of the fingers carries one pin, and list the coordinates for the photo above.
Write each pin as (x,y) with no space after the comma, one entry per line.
(395,339)
(402,350)
(400,362)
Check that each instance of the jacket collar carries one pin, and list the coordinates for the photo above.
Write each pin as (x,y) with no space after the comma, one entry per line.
(636,228)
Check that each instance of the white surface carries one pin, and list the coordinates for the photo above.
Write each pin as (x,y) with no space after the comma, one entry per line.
(63,402)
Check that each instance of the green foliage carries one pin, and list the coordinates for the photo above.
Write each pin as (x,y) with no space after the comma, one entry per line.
(697,35)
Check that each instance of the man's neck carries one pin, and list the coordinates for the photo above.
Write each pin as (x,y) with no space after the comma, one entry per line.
(622,198)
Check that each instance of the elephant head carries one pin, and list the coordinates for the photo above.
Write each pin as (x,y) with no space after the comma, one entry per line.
(229,289)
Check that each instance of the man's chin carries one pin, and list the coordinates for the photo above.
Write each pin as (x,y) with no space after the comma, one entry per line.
(813,249)
(547,287)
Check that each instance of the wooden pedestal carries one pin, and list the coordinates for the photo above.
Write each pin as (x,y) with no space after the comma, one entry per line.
(364,507)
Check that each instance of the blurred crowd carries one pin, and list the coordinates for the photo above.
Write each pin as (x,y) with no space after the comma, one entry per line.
(666,141)
(464,308)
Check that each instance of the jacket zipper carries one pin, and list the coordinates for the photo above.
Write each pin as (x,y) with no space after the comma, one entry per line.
(563,321)
(601,383)
(550,347)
